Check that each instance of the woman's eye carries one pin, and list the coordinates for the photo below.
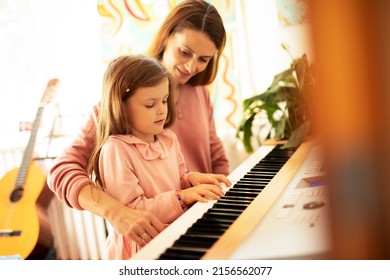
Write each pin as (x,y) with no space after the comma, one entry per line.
(184,53)
(149,105)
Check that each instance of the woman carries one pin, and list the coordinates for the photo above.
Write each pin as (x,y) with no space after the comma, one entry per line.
(189,44)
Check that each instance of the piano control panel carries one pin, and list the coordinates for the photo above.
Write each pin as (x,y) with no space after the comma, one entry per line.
(296,224)
(308,194)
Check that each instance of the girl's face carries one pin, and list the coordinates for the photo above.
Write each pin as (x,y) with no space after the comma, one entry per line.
(147,110)
(187,53)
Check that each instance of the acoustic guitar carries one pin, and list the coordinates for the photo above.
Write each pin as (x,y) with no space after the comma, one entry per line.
(19,192)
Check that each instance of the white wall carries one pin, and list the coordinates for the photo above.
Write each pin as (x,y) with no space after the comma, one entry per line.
(47,39)
(264,35)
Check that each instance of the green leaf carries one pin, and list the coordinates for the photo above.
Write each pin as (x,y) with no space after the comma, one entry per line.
(270,109)
(245,133)
(286,75)
(249,101)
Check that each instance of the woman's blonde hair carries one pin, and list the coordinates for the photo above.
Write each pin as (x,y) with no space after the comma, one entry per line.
(122,78)
(196,15)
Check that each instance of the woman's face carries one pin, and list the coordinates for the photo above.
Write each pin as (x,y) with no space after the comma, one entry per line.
(187,53)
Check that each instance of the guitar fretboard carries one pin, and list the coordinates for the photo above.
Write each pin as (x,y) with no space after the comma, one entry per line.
(23,170)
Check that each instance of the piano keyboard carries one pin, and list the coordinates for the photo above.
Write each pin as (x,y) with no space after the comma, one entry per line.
(200,237)
(165,239)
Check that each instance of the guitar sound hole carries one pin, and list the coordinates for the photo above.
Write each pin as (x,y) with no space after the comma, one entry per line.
(16,194)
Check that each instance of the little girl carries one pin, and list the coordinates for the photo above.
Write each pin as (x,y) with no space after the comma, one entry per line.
(136,159)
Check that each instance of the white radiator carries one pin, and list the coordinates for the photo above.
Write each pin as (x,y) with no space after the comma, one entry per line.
(78,235)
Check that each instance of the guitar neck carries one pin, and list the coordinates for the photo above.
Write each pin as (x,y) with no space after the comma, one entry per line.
(23,169)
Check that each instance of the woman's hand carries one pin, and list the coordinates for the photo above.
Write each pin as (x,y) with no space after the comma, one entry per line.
(138,225)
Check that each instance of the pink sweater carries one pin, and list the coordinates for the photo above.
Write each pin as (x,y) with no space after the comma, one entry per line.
(195,130)
(142,176)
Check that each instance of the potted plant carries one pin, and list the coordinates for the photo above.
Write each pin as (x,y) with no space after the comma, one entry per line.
(285,105)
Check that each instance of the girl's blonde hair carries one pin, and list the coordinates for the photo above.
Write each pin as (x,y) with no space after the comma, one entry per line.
(122,78)
(196,15)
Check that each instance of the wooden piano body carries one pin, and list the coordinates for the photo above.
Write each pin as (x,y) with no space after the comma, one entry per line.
(286,220)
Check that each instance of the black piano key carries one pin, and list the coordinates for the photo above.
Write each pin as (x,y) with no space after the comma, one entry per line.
(245,189)
(190,241)
(217,220)
(220,217)
(259,176)
(203,234)
(232,199)
(186,245)
(251,182)
(269,165)
(203,226)
(181,254)
(233,192)
(223,209)
(254,181)
(207,230)
(232,196)
(230,206)
(272,162)
(245,186)
(258,168)
(263,170)
(255,188)
(207,222)
(260,172)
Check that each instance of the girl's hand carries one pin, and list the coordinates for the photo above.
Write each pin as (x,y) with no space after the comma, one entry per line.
(200,193)
(197,178)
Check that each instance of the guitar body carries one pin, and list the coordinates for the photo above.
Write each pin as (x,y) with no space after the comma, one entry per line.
(19,221)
